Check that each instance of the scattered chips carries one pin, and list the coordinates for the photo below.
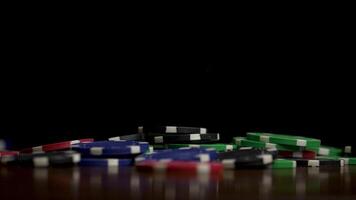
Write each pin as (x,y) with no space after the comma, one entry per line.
(184,149)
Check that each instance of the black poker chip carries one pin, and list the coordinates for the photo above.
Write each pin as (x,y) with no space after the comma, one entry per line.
(320,162)
(137,137)
(62,158)
(173,129)
(246,158)
(157,138)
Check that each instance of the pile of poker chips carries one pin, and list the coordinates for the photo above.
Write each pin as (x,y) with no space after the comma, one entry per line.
(297,151)
(184,149)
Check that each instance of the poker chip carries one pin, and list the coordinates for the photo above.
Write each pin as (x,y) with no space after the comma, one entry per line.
(137,136)
(107,143)
(284,139)
(62,158)
(243,142)
(9,153)
(56,146)
(329,151)
(115,149)
(283,164)
(184,154)
(108,162)
(180,166)
(217,146)
(249,158)
(347,160)
(174,129)
(183,138)
(320,162)
(297,154)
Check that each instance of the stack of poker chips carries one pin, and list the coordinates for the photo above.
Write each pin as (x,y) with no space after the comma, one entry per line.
(172,137)
(181,148)
(110,153)
(297,151)
(176,139)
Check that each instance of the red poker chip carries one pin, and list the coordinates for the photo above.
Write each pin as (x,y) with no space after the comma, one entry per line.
(9,153)
(297,154)
(180,166)
(56,146)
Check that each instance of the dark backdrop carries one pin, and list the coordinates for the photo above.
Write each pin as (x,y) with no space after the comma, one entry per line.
(64,81)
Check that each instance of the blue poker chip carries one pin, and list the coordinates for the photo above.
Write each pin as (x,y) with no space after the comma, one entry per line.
(106,162)
(185,154)
(112,149)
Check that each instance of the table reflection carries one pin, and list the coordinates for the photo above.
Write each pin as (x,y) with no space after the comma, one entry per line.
(111,183)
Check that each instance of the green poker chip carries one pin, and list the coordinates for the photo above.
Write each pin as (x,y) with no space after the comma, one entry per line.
(329,151)
(284,139)
(218,146)
(243,142)
(283,164)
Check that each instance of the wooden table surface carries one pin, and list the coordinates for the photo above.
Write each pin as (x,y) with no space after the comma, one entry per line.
(127,183)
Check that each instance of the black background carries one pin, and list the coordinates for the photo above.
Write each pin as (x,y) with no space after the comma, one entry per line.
(69,78)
